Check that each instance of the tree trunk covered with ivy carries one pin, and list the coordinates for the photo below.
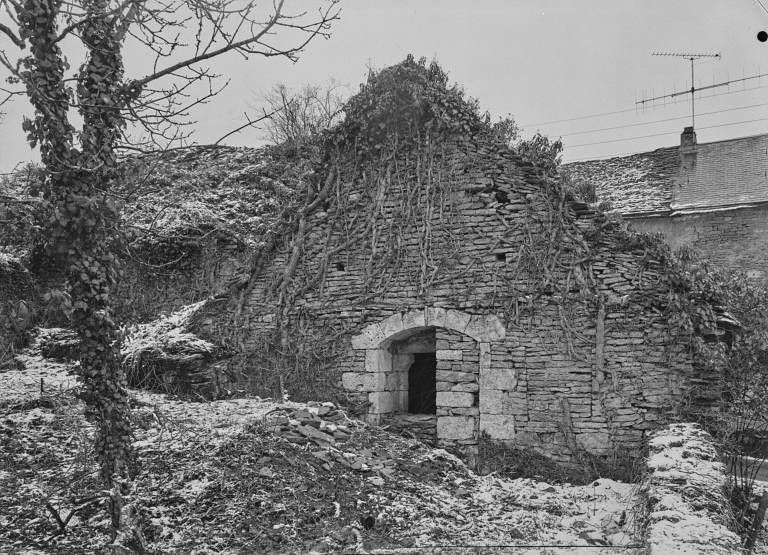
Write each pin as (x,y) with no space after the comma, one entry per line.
(82,231)
(82,228)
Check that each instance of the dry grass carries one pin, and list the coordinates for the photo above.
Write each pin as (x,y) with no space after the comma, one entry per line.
(163,356)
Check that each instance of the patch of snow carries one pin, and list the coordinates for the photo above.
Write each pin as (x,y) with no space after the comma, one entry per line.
(193,489)
(684,487)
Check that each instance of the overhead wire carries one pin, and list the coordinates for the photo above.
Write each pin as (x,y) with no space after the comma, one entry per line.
(605,156)
(666,133)
(601,114)
(656,121)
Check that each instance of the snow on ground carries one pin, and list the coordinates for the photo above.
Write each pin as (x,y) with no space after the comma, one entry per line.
(217,477)
(24,383)
(216,420)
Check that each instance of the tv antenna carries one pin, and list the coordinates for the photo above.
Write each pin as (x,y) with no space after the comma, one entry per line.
(691,57)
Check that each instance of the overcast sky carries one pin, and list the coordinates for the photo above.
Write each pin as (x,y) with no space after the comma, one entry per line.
(541,61)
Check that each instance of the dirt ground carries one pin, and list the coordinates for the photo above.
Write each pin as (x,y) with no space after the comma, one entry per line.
(226,477)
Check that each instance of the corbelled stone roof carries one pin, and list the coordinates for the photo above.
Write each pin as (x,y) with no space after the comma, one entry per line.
(239,191)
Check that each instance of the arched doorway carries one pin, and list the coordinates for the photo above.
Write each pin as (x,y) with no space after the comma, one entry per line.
(404,351)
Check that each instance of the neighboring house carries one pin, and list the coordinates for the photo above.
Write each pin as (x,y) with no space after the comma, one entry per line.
(711,196)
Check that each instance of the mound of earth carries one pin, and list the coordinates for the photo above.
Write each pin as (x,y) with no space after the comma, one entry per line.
(253,475)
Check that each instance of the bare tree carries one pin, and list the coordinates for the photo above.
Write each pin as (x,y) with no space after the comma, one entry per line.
(299,115)
(181,36)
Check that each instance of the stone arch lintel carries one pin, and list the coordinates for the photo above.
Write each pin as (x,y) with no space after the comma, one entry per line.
(483,328)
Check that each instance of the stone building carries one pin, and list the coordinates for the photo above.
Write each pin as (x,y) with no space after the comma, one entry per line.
(415,269)
(449,289)
(711,196)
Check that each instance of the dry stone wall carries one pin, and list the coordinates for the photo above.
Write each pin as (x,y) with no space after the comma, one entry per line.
(685,491)
(147,291)
(576,357)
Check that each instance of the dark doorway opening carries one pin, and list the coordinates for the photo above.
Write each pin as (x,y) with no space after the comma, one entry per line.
(421,384)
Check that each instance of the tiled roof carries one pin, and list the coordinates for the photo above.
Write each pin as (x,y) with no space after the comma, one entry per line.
(721,174)
(635,184)
(725,173)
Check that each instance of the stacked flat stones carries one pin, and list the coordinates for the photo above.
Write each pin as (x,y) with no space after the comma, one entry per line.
(324,428)
(320,423)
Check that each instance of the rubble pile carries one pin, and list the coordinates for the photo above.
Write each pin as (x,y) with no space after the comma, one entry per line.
(320,423)
(58,343)
(329,433)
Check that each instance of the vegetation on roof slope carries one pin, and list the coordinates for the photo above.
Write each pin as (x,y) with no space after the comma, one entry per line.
(233,192)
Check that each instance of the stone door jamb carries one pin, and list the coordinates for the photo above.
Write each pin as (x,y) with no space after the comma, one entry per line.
(375,338)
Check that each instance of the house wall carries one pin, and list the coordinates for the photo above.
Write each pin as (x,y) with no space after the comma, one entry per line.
(575,354)
(735,239)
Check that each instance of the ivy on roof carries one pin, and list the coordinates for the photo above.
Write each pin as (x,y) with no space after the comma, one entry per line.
(406,100)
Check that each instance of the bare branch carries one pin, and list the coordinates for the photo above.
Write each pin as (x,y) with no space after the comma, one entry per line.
(9,95)
(249,123)
(207,56)
(11,35)
(302,114)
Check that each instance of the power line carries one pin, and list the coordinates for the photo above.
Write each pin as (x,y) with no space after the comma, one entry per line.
(656,121)
(606,156)
(591,116)
(662,134)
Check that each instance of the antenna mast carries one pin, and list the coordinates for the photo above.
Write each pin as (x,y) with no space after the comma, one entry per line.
(690,57)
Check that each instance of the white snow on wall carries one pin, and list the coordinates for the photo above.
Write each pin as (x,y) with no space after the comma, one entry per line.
(685,488)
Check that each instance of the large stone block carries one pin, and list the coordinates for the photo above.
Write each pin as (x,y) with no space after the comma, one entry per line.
(455,399)
(485,327)
(378,360)
(594,442)
(491,401)
(381,401)
(465,411)
(435,316)
(485,356)
(414,319)
(356,381)
(448,354)
(371,337)
(499,378)
(457,320)
(471,387)
(498,426)
(455,427)
(392,325)
(455,377)
(394,381)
